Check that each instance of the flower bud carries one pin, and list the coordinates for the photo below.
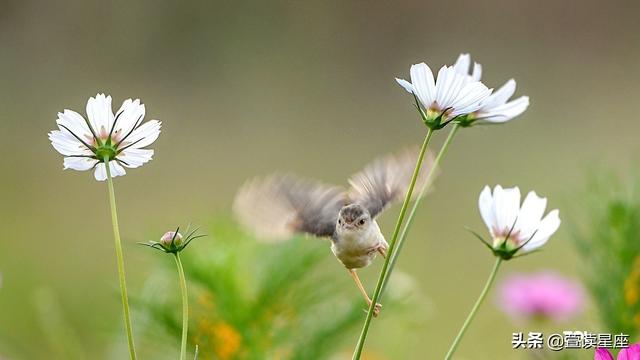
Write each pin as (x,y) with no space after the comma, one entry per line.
(171,239)
(172,242)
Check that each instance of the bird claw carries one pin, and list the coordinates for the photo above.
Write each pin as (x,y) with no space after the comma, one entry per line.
(381,249)
(376,309)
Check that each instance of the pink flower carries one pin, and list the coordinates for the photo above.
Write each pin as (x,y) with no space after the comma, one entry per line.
(543,295)
(630,353)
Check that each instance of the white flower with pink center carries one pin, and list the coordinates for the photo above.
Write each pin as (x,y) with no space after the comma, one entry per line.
(513,226)
(495,108)
(449,95)
(86,143)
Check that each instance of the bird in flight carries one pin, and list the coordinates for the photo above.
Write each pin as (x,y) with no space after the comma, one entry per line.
(278,206)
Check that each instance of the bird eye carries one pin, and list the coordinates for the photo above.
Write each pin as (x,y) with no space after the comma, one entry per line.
(340,221)
(361,222)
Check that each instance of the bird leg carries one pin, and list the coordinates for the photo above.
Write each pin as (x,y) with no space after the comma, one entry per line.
(378,307)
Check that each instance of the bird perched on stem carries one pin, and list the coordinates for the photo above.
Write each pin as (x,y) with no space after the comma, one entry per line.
(278,206)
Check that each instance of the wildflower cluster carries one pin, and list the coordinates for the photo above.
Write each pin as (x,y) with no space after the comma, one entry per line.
(457,96)
(108,143)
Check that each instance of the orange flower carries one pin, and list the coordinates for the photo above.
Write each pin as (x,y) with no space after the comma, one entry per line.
(632,284)
(227,339)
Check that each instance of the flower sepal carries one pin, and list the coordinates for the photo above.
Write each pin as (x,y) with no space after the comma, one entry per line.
(172,242)
(106,151)
(432,119)
(470,120)
(504,248)
(466,121)
(505,251)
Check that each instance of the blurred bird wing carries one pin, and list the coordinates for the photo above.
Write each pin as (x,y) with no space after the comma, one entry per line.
(387,179)
(278,206)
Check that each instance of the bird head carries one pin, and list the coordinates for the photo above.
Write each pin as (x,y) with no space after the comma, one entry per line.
(353,217)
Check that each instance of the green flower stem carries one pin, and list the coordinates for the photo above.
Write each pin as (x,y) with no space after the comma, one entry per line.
(416,204)
(185,307)
(120,258)
(376,295)
(474,310)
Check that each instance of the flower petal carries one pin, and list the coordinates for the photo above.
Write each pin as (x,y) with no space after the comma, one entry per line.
(630,353)
(470,98)
(602,354)
(144,135)
(133,158)
(423,84)
(461,65)
(100,114)
(507,111)
(530,214)
(477,72)
(507,206)
(130,114)
(75,123)
(485,204)
(548,226)
(66,144)
(79,163)
(101,174)
(448,86)
(116,169)
(500,96)
(406,85)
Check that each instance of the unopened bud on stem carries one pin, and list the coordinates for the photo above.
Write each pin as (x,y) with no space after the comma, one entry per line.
(171,239)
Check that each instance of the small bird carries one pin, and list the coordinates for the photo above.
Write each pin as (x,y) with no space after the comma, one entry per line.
(278,206)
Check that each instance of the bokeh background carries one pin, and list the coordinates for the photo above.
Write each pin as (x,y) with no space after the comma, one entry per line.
(249,87)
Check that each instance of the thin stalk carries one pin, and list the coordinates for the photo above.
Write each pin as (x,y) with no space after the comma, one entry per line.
(185,308)
(120,259)
(475,308)
(416,203)
(376,295)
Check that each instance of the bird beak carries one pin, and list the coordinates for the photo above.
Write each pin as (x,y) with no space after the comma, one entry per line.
(348,226)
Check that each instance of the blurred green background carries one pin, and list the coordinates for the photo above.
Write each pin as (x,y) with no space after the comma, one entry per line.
(249,87)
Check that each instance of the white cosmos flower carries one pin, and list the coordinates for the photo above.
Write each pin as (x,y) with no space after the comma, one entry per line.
(451,92)
(121,138)
(514,226)
(495,108)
